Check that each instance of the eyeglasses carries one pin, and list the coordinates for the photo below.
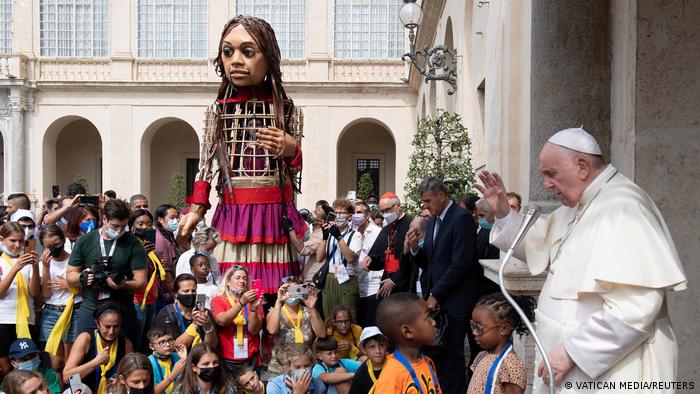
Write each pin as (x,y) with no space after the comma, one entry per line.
(387,210)
(164,342)
(480,328)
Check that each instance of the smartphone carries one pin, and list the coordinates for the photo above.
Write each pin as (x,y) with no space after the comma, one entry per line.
(75,383)
(298,290)
(330,217)
(54,191)
(90,200)
(201,302)
(256,284)
(148,235)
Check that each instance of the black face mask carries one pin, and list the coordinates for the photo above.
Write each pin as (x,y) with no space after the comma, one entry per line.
(136,391)
(209,374)
(56,251)
(187,300)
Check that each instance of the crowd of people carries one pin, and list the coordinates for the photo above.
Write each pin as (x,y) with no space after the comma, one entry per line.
(106,297)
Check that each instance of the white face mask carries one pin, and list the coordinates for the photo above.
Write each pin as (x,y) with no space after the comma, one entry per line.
(389,218)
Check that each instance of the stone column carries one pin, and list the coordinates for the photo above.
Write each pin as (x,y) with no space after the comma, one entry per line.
(16,163)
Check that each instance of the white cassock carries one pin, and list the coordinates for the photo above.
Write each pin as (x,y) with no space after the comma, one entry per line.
(610,261)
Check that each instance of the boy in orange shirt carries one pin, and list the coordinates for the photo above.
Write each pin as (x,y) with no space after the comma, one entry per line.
(405,320)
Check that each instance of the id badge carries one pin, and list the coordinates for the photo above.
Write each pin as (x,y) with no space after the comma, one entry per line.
(391,263)
(240,352)
(342,275)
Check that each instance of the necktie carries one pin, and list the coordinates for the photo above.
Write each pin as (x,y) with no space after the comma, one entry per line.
(438,222)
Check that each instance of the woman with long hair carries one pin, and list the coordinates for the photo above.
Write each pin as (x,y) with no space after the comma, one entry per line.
(134,376)
(23,382)
(238,313)
(81,220)
(203,373)
(255,139)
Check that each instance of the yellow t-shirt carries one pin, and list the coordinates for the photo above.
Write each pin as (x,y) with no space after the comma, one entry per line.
(395,378)
(353,338)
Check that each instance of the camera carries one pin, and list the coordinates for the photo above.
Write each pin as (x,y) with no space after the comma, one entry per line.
(330,214)
(102,272)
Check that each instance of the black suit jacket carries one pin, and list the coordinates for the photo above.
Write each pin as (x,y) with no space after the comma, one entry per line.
(450,267)
(407,272)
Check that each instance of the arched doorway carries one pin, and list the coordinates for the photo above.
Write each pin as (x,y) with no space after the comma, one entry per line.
(366,146)
(72,148)
(169,146)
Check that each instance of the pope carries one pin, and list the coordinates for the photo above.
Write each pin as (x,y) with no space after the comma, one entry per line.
(610,260)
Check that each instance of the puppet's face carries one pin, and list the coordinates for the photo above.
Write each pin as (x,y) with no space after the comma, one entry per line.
(243,60)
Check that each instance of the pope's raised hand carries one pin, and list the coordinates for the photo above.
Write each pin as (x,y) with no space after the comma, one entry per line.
(494,192)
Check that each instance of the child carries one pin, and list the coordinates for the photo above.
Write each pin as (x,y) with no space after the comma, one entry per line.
(374,344)
(248,381)
(405,320)
(24,355)
(493,323)
(133,376)
(167,364)
(340,325)
(297,380)
(336,373)
(199,264)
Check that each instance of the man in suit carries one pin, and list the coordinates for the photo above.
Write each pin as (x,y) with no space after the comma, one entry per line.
(450,277)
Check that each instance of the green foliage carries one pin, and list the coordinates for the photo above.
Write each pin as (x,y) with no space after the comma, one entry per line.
(81,180)
(176,191)
(365,186)
(442,149)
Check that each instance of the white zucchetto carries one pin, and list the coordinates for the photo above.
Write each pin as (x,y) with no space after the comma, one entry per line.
(576,139)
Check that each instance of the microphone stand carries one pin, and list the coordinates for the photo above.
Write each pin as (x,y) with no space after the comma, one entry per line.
(530,218)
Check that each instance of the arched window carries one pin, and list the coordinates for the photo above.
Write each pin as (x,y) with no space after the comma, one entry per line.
(5,26)
(175,29)
(368,29)
(287,18)
(74,28)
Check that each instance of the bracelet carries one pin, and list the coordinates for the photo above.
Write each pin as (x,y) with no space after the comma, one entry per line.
(208,331)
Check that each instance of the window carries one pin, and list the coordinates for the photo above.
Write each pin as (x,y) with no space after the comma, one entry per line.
(74,28)
(370,166)
(175,29)
(368,29)
(191,170)
(287,18)
(5,26)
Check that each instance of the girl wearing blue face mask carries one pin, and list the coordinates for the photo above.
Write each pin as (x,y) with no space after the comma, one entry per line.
(167,220)
(19,285)
(82,219)
(293,321)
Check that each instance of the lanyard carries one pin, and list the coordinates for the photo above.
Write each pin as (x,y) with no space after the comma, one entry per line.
(495,367)
(400,358)
(335,246)
(182,319)
(102,247)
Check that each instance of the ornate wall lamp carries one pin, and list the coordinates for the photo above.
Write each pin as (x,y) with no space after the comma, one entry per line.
(440,61)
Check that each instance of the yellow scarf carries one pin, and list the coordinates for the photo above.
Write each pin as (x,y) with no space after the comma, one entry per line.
(370,370)
(158,270)
(166,366)
(102,389)
(22,324)
(239,321)
(192,331)
(298,335)
(62,324)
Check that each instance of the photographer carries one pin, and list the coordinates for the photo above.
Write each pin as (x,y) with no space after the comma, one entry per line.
(108,264)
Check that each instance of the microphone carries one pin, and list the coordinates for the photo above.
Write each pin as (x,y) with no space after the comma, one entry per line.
(530,218)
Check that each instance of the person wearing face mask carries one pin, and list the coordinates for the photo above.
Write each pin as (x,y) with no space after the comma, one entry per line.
(204,373)
(340,249)
(134,376)
(293,321)
(121,255)
(81,219)
(204,242)
(387,251)
(25,356)
(25,218)
(237,311)
(19,286)
(188,324)
(368,280)
(59,317)
(486,218)
(297,378)
(167,222)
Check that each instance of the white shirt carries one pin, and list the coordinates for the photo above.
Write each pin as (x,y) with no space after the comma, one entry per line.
(369,281)
(336,260)
(183,266)
(209,289)
(59,297)
(8,303)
